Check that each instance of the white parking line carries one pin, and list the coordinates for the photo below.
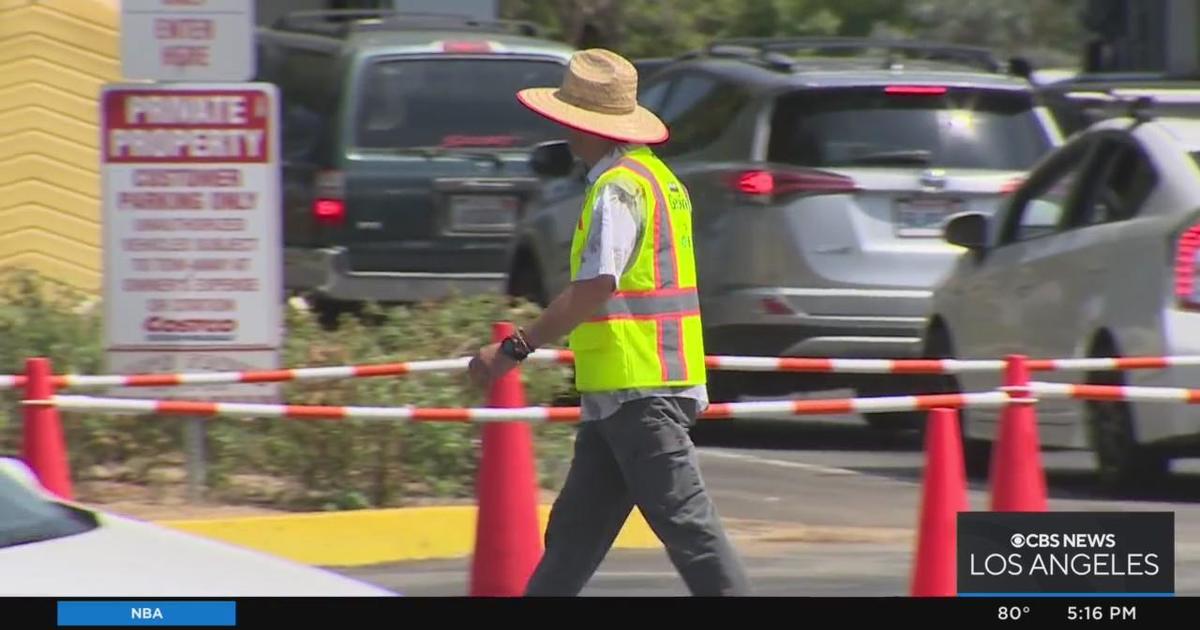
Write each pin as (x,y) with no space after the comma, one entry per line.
(817,468)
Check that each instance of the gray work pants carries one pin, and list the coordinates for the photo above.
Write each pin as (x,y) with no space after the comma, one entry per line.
(641,455)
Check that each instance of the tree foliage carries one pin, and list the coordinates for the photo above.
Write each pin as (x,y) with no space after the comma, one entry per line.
(1050,32)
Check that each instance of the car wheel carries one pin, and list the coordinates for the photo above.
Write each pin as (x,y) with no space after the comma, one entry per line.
(1123,465)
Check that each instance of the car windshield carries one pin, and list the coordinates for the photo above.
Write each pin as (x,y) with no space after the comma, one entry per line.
(27,517)
(451,103)
(917,126)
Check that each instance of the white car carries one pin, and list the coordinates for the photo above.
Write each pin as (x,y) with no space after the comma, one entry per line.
(1095,255)
(52,548)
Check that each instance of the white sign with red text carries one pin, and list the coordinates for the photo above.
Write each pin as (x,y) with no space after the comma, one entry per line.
(192,251)
(187,40)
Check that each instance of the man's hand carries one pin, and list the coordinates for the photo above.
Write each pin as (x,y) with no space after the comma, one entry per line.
(573,306)
(488,365)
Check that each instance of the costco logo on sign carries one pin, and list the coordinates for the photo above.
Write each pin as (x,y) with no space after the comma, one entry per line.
(213,329)
(191,217)
(187,40)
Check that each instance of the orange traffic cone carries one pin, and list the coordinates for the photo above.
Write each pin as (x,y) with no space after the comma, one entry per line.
(944,495)
(1018,479)
(508,540)
(44,449)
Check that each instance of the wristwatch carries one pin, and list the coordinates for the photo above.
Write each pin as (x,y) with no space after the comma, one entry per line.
(516,347)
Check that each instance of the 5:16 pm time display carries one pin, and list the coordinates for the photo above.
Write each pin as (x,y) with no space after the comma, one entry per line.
(1099,613)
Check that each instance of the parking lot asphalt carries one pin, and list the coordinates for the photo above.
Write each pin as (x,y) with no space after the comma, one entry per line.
(826,507)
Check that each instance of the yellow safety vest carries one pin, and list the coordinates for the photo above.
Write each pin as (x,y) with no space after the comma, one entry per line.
(649,333)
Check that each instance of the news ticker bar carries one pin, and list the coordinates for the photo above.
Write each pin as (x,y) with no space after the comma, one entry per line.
(1032,609)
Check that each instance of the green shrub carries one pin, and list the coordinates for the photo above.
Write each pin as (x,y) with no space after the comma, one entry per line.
(301,464)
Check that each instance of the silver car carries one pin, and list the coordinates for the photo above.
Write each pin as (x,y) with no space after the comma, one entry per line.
(819,185)
(1094,256)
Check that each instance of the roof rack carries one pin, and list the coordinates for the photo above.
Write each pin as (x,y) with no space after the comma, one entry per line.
(1140,104)
(341,23)
(771,50)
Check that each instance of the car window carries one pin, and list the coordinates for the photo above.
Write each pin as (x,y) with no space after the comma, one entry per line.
(926,126)
(688,92)
(308,81)
(697,112)
(27,517)
(1039,207)
(652,96)
(455,102)
(309,87)
(1124,179)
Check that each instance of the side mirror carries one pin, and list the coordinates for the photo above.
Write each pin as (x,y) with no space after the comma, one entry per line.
(552,159)
(967,229)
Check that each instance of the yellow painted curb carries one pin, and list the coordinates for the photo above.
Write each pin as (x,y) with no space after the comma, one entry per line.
(361,537)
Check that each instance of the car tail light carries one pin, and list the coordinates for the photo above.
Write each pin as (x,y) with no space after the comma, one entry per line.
(466,47)
(764,184)
(329,204)
(329,211)
(1187,246)
(927,90)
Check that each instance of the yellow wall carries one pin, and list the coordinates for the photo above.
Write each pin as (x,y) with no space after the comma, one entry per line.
(54,57)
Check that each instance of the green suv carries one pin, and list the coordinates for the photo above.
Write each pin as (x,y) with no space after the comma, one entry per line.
(405,152)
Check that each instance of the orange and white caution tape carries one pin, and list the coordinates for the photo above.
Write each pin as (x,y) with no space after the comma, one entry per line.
(565,357)
(719,411)
(1115,392)
(1107,364)
(83,381)
(851,366)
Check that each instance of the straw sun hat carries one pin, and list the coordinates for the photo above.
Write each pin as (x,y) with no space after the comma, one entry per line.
(598,95)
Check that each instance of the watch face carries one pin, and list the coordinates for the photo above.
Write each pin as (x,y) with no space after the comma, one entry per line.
(509,346)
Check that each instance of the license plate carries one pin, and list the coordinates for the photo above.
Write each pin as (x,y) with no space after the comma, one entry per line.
(924,217)
(482,213)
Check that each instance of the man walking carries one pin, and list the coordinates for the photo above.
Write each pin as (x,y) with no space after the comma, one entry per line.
(633,319)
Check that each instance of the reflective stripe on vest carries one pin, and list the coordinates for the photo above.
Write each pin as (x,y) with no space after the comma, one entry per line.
(666,270)
(665,304)
(650,305)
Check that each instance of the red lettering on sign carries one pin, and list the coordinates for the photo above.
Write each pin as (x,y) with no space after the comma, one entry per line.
(155,285)
(188,178)
(163,324)
(227,284)
(200,304)
(160,201)
(233,200)
(226,126)
(185,56)
(188,28)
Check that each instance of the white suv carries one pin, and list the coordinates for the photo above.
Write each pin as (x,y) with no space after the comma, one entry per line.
(1096,255)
